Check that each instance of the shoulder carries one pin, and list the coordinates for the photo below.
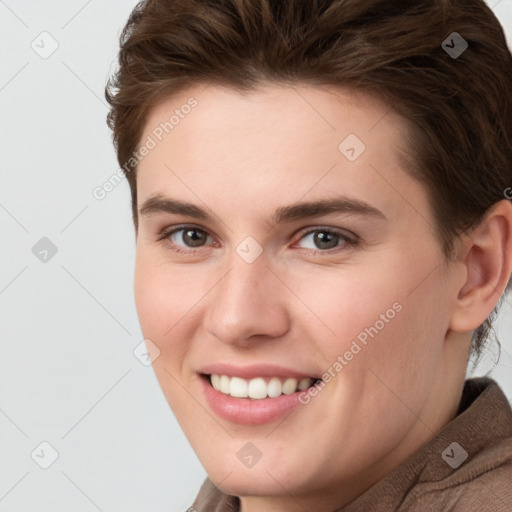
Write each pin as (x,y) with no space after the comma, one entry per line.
(483,483)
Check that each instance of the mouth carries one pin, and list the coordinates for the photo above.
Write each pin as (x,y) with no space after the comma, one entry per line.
(258,388)
(254,395)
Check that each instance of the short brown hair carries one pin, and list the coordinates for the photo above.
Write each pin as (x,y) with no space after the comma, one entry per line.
(459,107)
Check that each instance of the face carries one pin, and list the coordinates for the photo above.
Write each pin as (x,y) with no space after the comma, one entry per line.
(284,253)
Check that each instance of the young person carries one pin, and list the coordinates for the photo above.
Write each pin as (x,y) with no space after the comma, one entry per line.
(321,199)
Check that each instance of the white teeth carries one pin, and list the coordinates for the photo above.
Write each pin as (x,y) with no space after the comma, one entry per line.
(258,388)
(238,387)
(216,381)
(274,387)
(224,384)
(303,383)
(289,386)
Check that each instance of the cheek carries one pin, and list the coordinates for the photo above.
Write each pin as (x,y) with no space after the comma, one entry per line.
(150,298)
(349,305)
(404,337)
(164,296)
(377,317)
(163,299)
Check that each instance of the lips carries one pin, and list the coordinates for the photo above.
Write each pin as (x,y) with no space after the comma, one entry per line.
(256,370)
(256,382)
(257,387)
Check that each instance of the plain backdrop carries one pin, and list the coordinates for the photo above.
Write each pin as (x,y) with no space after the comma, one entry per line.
(68,374)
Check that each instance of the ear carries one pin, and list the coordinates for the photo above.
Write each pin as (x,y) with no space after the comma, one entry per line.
(488,265)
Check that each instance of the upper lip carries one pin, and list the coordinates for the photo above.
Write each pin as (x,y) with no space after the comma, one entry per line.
(252,371)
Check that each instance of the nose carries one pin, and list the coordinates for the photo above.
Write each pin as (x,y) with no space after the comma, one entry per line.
(249,302)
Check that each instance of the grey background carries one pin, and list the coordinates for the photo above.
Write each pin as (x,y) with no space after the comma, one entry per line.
(68,375)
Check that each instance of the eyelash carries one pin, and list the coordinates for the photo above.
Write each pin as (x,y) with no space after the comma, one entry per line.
(348,242)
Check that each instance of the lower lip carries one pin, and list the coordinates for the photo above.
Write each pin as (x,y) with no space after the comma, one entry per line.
(249,411)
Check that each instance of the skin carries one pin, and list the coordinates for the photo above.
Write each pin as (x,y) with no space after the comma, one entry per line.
(242,156)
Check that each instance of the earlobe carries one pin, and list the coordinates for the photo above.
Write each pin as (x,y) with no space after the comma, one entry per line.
(488,265)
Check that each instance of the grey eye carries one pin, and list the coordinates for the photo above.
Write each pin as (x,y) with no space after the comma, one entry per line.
(322,239)
(190,237)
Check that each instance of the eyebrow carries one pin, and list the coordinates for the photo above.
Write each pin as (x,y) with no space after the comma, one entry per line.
(160,204)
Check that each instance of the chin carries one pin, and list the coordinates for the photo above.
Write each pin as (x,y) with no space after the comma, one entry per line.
(250,485)
(263,479)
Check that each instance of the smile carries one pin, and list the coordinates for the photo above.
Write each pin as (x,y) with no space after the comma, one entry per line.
(260,387)
(254,394)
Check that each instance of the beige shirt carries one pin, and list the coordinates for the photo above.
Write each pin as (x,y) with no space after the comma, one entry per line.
(435,478)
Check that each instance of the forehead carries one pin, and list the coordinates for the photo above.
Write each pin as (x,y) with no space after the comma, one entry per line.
(308,110)
(275,143)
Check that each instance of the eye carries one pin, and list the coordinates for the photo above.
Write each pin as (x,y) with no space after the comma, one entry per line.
(323,239)
(191,237)
(188,237)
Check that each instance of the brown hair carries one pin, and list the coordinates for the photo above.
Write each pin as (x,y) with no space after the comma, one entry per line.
(459,107)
